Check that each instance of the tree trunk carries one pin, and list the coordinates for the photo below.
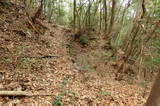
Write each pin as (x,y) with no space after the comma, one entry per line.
(154,98)
(112,16)
(105,15)
(100,17)
(89,14)
(74,14)
(39,12)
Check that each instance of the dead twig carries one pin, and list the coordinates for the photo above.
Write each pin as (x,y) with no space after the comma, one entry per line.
(43,57)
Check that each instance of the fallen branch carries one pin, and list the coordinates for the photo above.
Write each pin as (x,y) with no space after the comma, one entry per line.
(23,93)
(42,57)
(13,93)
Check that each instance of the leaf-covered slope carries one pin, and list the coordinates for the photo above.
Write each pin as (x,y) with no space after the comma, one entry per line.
(40,63)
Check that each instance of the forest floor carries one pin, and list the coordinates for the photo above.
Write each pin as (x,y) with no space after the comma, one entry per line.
(44,64)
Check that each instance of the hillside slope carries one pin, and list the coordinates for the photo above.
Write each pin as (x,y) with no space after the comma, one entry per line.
(41,64)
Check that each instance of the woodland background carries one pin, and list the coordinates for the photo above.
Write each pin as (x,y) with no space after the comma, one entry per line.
(107,48)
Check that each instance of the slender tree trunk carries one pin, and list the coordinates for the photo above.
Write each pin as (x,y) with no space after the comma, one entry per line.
(112,16)
(100,17)
(80,14)
(59,9)
(74,14)
(105,15)
(89,14)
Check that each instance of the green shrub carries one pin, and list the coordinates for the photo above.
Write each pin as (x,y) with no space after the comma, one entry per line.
(152,64)
(84,40)
(57,101)
(102,94)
